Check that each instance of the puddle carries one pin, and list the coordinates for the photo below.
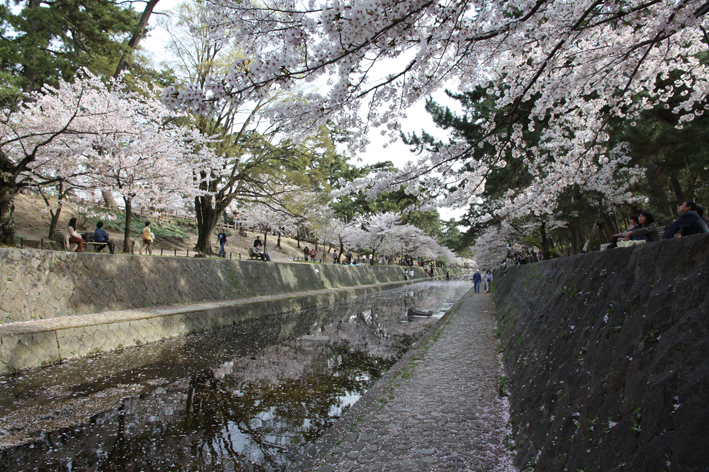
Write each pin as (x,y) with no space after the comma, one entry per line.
(247,397)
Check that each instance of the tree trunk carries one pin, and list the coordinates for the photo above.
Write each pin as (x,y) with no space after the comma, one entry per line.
(278,243)
(55,221)
(265,237)
(138,34)
(28,71)
(108,199)
(126,233)
(7,213)
(545,242)
(207,219)
(677,189)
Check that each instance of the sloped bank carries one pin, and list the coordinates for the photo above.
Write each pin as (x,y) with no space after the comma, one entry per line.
(608,358)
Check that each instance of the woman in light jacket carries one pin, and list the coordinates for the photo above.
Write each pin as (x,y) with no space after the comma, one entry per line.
(71,236)
(147,240)
(647,230)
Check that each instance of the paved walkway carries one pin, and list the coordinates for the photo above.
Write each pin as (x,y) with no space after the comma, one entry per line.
(440,410)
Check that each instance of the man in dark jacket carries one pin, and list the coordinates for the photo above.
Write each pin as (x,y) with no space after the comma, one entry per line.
(101,236)
(688,223)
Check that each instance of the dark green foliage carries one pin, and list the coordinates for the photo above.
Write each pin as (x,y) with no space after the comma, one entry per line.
(42,41)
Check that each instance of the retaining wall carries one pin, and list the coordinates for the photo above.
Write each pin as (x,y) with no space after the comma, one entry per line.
(38,285)
(57,305)
(608,358)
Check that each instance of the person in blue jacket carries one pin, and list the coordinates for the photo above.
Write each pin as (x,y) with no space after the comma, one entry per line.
(476,281)
(689,221)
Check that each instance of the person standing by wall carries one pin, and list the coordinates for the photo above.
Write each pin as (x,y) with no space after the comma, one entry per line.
(147,240)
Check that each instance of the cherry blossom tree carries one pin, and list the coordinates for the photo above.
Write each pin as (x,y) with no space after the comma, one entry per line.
(51,125)
(145,162)
(255,153)
(377,230)
(339,234)
(573,66)
(89,134)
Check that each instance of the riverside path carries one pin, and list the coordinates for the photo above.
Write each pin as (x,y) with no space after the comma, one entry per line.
(438,409)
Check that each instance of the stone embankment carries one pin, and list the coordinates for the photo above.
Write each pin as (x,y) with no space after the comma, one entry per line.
(606,355)
(59,305)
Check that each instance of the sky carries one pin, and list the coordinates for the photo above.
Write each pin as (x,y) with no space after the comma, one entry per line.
(378,151)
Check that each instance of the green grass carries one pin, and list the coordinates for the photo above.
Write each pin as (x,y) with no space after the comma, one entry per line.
(115,221)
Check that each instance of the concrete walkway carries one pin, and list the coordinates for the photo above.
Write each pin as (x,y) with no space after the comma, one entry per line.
(438,409)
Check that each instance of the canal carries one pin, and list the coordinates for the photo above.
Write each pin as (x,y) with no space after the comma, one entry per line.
(247,397)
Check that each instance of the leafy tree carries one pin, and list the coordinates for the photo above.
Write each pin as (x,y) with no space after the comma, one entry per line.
(48,40)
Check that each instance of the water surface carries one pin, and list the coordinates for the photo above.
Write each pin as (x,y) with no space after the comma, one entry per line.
(247,397)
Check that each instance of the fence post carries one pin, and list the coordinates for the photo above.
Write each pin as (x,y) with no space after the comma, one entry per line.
(239,256)
(229,256)
(175,252)
(132,248)
(161,251)
(188,253)
(22,243)
(41,243)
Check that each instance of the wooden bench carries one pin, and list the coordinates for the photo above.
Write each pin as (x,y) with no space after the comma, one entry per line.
(98,246)
(253,254)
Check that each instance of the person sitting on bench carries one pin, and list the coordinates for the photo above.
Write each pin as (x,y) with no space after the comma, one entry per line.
(71,236)
(647,231)
(101,236)
(258,247)
(689,221)
(634,224)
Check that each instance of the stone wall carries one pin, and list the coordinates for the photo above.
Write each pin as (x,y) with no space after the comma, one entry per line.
(45,284)
(606,355)
(124,300)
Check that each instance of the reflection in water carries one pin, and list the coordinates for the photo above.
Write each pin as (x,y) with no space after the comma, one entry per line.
(247,397)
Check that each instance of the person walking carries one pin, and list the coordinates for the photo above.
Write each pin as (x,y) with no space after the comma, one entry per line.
(306,253)
(334,257)
(313,254)
(488,281)
(147,240)
(221,237)
(476,281)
